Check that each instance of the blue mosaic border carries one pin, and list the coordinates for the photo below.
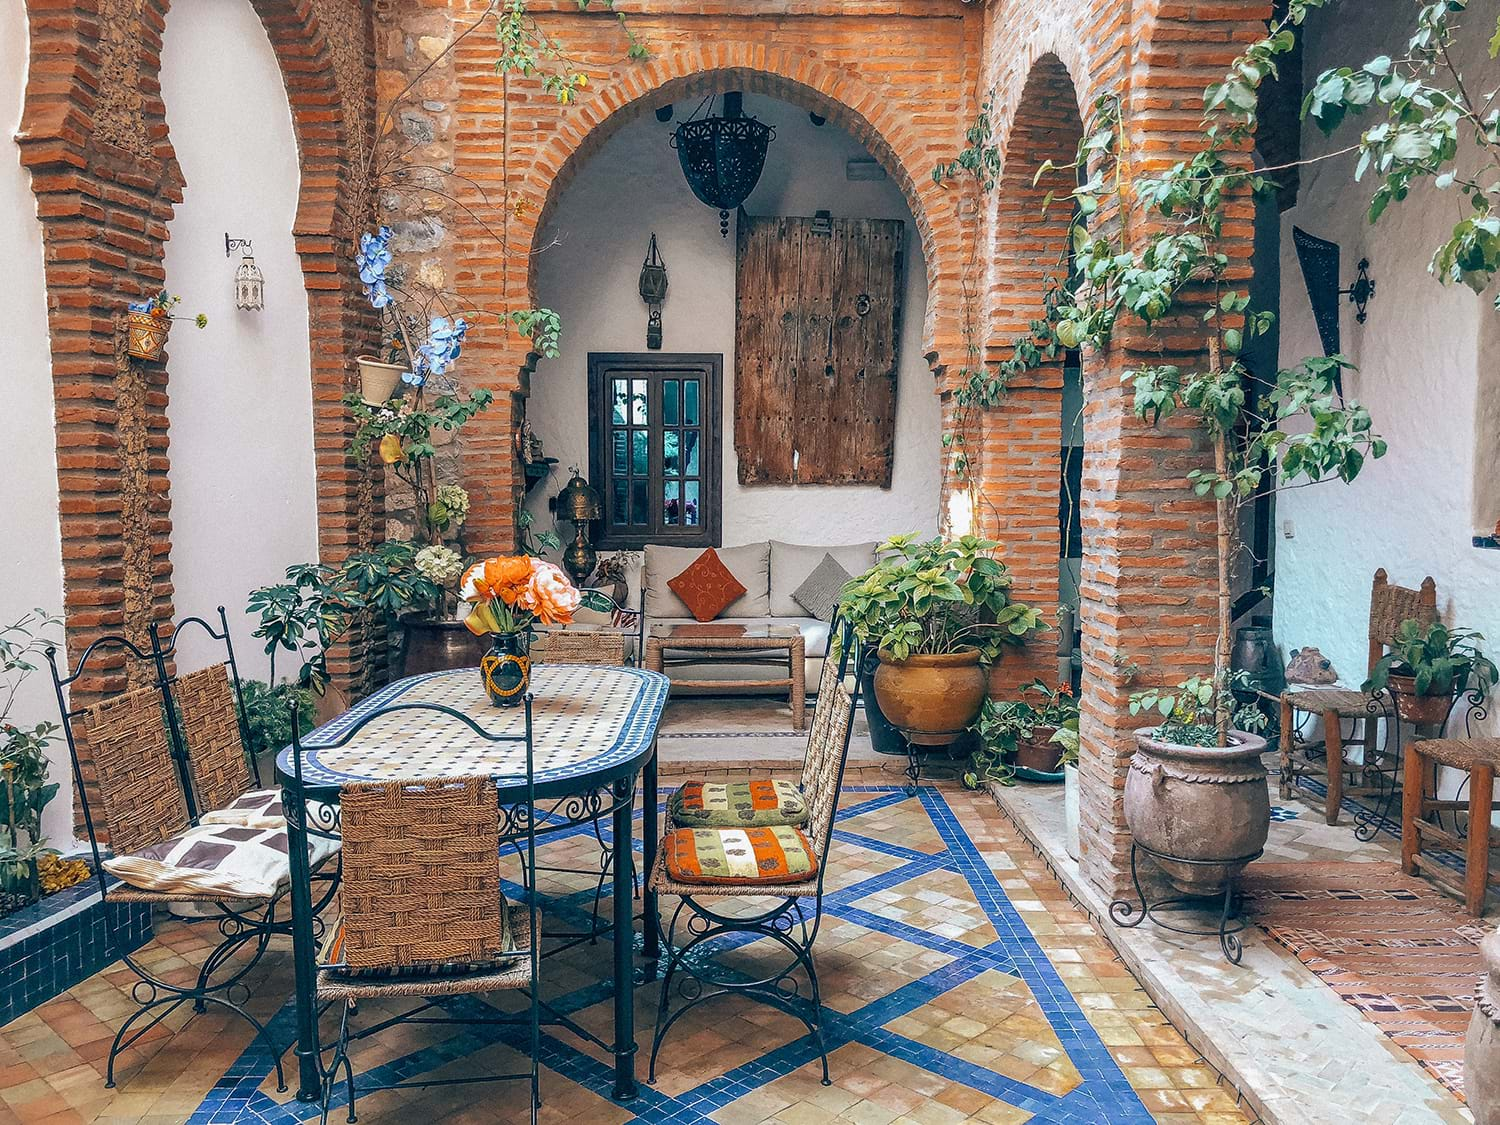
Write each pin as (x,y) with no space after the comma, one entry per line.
(1103,1096)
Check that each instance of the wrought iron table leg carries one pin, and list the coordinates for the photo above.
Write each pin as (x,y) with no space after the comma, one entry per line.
(650,838)
(304,950)
(624,938)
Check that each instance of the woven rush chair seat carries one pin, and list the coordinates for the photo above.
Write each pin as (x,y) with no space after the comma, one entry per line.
(602,645)
(1463,753)
(757,803)
(510,971)
(1422,832)
(1345,702)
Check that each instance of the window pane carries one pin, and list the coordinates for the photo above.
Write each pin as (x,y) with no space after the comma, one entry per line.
(638,460)
(638,402)
(620,506)
(690,402)
(669,398)
(691,513)
(622,453)
(618,395)
(640,511)
(669,460)
(671,494)
(690,443)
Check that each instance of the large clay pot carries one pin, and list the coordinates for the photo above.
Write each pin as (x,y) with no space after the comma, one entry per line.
(1482,1047)
(1424,710)
(1202,803)
(439,646)
(932,699)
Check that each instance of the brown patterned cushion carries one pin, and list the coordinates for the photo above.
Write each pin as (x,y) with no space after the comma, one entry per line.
(760,803)
(706,587)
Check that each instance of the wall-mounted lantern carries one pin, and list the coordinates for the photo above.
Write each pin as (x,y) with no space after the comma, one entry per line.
(249,282)
(653,292)
(1320,272)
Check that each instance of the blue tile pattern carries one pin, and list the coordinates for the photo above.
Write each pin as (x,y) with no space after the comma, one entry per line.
(1104,1094)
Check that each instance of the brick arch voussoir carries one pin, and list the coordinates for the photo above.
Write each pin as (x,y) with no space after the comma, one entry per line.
(832,92)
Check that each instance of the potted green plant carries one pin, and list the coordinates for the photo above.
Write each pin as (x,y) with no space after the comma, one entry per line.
(939,613)
(1428,667)
(1017,737)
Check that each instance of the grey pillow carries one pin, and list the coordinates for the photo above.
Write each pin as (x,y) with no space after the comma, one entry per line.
(819,592)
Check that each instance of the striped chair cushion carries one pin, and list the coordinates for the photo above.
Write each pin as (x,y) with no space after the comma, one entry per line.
(763,803)
(739,856)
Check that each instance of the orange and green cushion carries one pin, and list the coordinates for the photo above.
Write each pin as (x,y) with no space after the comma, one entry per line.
(739,856)
(763,803)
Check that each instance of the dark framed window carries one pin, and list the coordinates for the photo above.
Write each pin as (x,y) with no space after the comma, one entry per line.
(655,447)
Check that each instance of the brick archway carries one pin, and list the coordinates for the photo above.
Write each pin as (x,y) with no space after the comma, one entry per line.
(832,92)
(94,138)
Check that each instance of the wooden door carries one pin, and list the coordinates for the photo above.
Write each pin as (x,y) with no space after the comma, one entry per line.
(818,310)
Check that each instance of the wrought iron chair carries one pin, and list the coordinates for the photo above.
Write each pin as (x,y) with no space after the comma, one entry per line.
(786,921)
(143,787)
(423,915)
(1389,606)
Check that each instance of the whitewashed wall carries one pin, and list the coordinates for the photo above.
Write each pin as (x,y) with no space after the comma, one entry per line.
(31,558)
(242,475)
(1424,355)
(633,186)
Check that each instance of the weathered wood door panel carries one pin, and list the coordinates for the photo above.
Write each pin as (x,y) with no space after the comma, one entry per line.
(817,317)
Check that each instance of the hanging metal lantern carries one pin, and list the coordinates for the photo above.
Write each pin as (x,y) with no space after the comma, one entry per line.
(653,292)
(249,285)
(722,157)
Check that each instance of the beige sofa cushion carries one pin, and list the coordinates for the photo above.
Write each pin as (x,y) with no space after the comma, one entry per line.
(750,564)
(791,563)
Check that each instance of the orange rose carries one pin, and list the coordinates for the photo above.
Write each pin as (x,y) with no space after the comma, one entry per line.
(551,596)
(504,578)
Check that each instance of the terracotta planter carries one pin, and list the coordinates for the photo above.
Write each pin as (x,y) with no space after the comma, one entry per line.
(1420,709)
(377,380)
(1482,1046)
(439,646)
(931,699)
(1205,804)
(146,335)
(1039,754)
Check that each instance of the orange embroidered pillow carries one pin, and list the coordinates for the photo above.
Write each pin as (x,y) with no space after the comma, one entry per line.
(706,587)
(739,856)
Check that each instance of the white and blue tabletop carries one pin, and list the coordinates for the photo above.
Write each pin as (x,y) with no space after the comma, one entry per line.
(589,721)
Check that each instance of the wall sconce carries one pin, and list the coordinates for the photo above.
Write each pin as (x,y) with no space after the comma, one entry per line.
(249,282)
(653,292)
(1320,272)
(581,504)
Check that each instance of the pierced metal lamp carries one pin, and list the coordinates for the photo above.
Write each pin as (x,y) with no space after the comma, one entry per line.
(722,157)
(653,292)
(581,504)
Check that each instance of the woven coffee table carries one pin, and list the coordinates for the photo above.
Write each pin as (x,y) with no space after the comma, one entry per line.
(708,639)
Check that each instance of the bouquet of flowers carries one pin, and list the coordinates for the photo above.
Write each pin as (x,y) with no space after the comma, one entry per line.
(511,593)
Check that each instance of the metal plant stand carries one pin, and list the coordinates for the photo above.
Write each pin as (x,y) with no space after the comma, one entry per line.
(1129,914)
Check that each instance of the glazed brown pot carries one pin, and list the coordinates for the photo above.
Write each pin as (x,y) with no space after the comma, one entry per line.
(1421,709)
(1482,1046)
(931,699)
(1208,804)
(1039,753)
(439,646)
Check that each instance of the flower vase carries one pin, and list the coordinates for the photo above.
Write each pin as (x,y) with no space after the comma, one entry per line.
(506,669)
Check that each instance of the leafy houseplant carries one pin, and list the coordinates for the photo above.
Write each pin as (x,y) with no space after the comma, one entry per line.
(938,612)
(1022,734)
(1428,667)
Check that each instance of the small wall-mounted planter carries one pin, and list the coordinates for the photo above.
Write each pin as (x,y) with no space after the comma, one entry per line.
(147,335)
(48,947)
(377,380)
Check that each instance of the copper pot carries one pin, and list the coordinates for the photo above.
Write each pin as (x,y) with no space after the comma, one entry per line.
(1209,805)
(931,698)
(439,646)
(1420,709)
(1482,1045)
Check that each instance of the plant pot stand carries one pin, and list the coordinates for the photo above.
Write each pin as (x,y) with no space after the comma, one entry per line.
(1128,914)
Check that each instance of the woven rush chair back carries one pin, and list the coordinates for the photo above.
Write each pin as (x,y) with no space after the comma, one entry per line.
(828,749)
(833,671)
(139,787)
(1390,605)
(421,873)
(209,718)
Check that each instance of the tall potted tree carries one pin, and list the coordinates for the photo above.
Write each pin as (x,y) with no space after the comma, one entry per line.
(938,613)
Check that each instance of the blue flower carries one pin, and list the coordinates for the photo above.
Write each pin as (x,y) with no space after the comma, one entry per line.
(373,259)
(443,345)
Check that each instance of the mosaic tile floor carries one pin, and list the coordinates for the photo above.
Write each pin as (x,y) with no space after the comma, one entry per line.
(961,983)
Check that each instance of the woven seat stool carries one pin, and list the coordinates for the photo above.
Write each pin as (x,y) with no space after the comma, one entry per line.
(1480,759)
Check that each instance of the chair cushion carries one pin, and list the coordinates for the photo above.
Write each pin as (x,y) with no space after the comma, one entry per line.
(215,859)
(791,563)
(261,808)
(739,856)
(762,803)
(706,586)
(331,956)
(750,564)
(820,593)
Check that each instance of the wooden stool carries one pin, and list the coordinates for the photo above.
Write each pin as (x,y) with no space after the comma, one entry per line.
(1479,758)
(1333,704)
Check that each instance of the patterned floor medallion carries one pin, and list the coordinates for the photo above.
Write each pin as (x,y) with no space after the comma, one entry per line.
(961,985)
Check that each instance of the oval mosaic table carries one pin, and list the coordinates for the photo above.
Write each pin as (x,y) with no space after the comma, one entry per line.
(594,731)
